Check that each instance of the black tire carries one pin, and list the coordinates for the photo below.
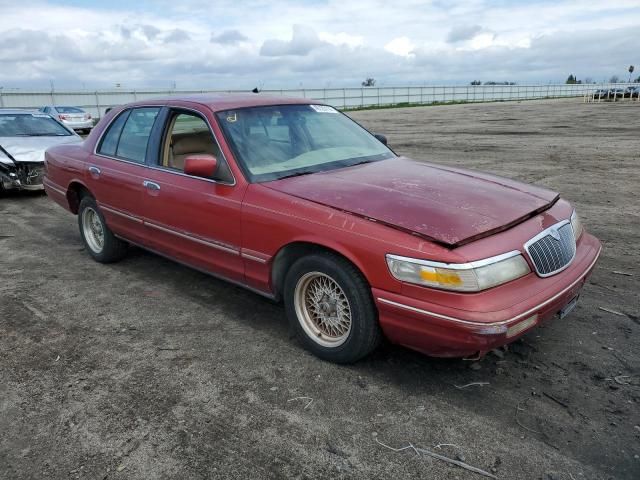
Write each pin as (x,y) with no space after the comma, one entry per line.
(113,249)
(364,334)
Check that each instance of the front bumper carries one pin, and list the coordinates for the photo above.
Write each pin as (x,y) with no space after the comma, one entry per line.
(446,331)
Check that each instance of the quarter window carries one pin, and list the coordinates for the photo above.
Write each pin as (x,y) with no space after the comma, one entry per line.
(109,142)
(128,136)
(135,134)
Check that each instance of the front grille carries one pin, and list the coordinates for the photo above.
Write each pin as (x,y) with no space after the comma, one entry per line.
(550,255)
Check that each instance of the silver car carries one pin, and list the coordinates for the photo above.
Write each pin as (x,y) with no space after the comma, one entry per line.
(24,136)
(73,117)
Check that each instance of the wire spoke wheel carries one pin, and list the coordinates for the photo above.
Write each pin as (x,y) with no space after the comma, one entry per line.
(93,229)
(323,309)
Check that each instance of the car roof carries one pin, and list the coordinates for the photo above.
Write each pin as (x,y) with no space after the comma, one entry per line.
(227,101)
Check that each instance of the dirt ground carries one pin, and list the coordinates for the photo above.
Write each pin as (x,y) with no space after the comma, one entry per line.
(146,369)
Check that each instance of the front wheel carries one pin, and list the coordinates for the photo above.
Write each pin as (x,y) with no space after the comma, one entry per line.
(99,241)
(330,307)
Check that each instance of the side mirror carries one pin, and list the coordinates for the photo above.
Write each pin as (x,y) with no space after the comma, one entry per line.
(381,138)
(200,165)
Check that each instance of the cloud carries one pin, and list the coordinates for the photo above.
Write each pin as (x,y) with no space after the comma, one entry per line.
(177,35)
(228,37)
(150,31)
(463,32)
(401,46)
(342,38)
(343,43)
(303,41)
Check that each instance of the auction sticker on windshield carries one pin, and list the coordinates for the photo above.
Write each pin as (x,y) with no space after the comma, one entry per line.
(323,109)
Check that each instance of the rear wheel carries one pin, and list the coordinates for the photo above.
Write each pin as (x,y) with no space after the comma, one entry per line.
(329,306)
(99,241)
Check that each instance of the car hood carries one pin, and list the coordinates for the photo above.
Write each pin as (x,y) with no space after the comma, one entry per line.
(447,205)
(31,149)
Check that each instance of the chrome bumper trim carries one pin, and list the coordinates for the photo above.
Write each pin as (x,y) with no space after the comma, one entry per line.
(501,322)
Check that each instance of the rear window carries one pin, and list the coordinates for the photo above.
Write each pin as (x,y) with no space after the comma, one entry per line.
(30,125)
(69,110)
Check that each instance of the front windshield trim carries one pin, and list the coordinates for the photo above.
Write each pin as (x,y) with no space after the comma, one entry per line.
(271,176)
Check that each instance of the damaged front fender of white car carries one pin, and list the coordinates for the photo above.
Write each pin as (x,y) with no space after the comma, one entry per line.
(21,172)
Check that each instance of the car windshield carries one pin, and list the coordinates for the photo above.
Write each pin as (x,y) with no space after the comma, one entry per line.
(69,110)
(30,125)
(274,142)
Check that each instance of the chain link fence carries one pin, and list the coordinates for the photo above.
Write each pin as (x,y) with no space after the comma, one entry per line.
(97,101)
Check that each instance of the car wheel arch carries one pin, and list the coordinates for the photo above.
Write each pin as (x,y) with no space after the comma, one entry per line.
(288,254)
(75,191)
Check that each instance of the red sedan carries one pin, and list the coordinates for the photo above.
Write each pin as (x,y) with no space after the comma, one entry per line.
(297,202)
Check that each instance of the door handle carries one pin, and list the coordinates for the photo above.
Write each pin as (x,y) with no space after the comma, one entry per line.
(95,171)
(150,185)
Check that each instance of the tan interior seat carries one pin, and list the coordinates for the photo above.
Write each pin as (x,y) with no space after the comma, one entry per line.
(185,145)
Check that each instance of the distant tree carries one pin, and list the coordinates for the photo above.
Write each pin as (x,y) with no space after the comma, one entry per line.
(589,80)
(631,69)
(637,80)
(476,82)
(369,82)
(614,79)
(571,80)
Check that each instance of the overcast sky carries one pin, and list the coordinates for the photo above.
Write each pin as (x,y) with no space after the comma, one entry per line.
(312,43)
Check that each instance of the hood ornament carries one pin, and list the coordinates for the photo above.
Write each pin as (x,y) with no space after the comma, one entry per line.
(554,233)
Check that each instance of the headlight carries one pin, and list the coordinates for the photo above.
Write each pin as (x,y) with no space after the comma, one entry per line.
(461,277)
(576,224)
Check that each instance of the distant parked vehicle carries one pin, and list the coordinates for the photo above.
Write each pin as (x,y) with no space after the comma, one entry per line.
(601,93)
(24,136)
(631,92)
(617,93)
(73,117)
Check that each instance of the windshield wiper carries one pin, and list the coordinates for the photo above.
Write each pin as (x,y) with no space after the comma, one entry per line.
(43,135)
(360,163)
(297,174)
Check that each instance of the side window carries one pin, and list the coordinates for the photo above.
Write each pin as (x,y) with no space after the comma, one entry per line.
(109,142)
(135,134)
(188,134)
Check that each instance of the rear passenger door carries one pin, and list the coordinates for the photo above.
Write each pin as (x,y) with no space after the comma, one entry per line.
(116,172)
(193,219)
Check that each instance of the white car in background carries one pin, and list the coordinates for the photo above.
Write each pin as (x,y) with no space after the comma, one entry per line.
(24,137)
(73,117)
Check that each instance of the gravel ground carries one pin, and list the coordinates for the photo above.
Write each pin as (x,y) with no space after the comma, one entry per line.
(146,369)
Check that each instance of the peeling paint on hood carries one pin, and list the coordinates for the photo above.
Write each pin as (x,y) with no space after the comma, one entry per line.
(31,149)
(450,206)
